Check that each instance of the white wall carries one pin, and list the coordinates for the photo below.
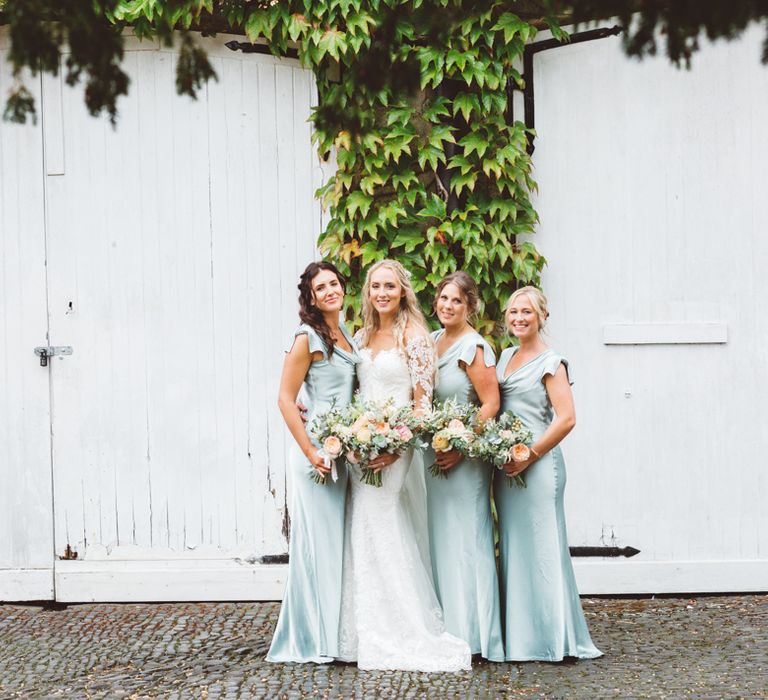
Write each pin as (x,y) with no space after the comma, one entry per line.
(654,211)
(174,245)
(26,530)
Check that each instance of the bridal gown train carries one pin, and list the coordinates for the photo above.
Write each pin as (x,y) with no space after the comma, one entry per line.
(390,615)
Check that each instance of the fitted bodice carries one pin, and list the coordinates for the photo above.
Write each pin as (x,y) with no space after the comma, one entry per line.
(523,392)
(331,378)
(452,379)
(384,376)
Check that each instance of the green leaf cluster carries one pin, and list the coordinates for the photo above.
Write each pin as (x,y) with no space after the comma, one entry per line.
(437,176)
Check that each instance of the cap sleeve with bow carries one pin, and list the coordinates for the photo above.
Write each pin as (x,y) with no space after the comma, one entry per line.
(469,350)
(551,365)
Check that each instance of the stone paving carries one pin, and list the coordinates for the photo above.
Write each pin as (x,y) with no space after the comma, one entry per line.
(709,647)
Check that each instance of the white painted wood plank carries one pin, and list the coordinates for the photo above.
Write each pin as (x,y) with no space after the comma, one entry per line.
(274,313)
(53,126)
(664,333)
(134,581)
(682,576)
(142,581)
(26,530)
(18,585)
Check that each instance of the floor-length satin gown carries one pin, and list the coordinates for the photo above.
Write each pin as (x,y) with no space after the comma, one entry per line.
(307,629)
(543,618)
(390,617)
(460,522)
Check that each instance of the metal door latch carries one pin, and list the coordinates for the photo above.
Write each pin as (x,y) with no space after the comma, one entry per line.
(44,352)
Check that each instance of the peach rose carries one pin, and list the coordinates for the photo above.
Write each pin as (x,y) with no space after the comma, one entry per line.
(332,446)
(455,425)
(382,427)
(520,452)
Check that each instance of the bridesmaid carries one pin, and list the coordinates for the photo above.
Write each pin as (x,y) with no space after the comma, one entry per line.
(459,506)
(323,358)
(542,611)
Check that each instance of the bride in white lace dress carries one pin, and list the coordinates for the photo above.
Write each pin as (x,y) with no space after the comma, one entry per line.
(390,616)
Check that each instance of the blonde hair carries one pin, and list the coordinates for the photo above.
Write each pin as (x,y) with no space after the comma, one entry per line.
(409,313)
(538,302)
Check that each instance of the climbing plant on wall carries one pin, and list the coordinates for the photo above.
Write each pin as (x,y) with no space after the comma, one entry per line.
(437,175)
(414,107)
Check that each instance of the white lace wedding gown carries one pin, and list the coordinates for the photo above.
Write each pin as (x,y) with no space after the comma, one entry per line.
(390,615)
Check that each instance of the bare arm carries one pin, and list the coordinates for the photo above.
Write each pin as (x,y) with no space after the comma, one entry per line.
(486,386)
(295,368)
(561,398)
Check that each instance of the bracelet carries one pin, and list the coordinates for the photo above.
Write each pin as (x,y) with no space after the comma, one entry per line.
(535,454)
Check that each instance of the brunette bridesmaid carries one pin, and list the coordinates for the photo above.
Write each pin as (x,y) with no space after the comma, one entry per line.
(323,359)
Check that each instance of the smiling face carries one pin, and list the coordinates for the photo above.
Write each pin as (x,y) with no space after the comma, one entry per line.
(385,291)
(451,307)
(327,292)
(521,318)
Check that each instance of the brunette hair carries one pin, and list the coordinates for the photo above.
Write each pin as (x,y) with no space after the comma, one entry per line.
(468,288)
(308,312)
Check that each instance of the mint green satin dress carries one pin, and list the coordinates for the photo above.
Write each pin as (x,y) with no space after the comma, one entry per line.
(460,522)
(543,619)
(308,626)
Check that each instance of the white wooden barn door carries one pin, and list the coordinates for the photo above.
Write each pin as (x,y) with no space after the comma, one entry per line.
(653,218)
(175,242)
(26,544)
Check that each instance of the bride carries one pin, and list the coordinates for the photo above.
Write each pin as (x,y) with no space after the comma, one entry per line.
(390,616)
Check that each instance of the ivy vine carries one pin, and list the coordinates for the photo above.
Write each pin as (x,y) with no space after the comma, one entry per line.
(439,178)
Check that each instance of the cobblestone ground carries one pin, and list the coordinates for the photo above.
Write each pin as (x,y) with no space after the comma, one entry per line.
(710,647)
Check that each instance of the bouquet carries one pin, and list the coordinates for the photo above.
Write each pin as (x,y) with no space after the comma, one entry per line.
(451,425)
(377,427)
(329,429)
(503,439)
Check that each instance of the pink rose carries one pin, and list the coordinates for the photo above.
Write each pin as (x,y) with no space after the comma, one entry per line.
(455,425)
(404,432)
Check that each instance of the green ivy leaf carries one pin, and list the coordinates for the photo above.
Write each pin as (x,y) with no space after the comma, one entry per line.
(466,103)
(358,200)
(474,141)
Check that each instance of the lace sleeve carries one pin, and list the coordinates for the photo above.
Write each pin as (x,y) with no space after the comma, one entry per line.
(358,337)
(421,367)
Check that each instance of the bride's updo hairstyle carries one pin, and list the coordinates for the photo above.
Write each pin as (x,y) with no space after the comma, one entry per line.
(538,303)
(308,312)
(409,313)
(468,288)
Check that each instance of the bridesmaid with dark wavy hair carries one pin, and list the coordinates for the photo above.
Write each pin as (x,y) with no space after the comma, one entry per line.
(323,359)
